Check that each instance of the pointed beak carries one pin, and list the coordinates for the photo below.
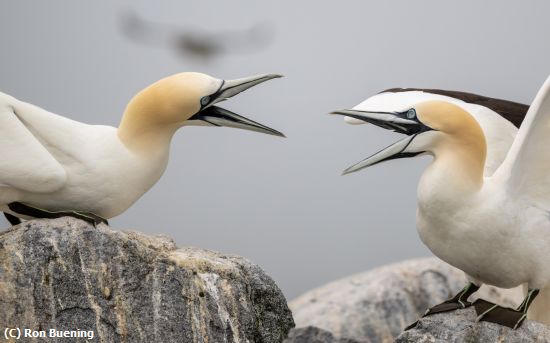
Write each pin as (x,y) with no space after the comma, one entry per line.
(394,151)
(218,116)
(402,122)
(387,120)
(230,88)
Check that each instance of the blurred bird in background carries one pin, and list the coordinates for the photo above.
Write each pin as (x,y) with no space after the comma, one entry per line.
(194,42)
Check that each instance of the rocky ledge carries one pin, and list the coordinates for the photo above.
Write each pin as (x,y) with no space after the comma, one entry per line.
(375,306)
(312,334)
(453,327)
(64,274)
(460,326)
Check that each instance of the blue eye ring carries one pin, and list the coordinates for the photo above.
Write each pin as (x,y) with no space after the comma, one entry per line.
(205,100)
(411,114)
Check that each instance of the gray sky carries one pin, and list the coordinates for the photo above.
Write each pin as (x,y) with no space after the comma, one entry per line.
(280,202)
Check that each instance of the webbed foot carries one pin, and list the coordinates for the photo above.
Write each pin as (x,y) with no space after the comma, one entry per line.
(459,301)
(489,312)
(34,212)
(12,219)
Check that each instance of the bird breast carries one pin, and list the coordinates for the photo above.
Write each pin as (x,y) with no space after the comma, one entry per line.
(494,239)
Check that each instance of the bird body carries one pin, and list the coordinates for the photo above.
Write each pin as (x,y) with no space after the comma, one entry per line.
(482,231)
(492,223)
(68,164)
(55,163)
(496,234)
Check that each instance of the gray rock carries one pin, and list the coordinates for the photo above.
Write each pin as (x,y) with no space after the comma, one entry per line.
(460,326)
(375,306)
(311,334)
(127,287)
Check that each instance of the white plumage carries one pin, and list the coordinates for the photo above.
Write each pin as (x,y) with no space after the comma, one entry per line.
(485,212)
(54,163)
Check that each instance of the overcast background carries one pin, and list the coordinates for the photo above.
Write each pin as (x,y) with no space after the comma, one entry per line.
(279,202)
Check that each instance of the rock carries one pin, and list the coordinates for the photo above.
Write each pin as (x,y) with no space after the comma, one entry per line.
(311,334)
(375,306)
(127,287)
(460,326)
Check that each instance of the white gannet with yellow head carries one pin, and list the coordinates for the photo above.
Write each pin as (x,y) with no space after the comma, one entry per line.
(53,166)
(491,222)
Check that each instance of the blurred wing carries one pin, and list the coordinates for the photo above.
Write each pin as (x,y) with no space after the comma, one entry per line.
(526,170)
(25,163)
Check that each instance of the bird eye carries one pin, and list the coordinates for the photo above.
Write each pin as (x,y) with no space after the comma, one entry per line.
(205,100)
(411,114)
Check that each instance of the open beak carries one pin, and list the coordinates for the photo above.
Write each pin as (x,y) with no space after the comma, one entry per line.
(402,122)
(394,121)
(218,116)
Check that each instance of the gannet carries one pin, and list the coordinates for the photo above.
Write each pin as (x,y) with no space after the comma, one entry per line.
(53,166)
(193,42)
(492,223)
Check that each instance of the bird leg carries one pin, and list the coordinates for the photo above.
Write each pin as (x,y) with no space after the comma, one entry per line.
(460,300)
(511,318)
(34,212)
(12,219)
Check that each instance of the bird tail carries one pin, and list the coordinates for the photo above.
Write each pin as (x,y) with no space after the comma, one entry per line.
(540,308)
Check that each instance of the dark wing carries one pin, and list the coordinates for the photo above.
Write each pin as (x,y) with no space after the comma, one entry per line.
(512,111)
